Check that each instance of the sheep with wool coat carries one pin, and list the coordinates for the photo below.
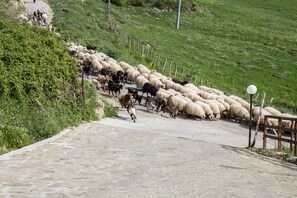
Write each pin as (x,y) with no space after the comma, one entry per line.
(239,112)
(214,107)
(243,103)
(157,83)
(125,65)
(194,109)
(273,111)
(206,108)
(143,69)
(140,81)
(168,83)
(226,105)
(162,94)
(256,115)
(174,101)
(221,106)
(146,75)
(192,87)
(96,66)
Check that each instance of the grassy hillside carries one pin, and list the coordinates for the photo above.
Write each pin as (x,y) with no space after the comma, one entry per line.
(39,91)
(228,42)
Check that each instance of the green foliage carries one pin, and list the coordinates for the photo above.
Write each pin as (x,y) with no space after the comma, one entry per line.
(287,152)
(39,91)
(109,110)
(230,43)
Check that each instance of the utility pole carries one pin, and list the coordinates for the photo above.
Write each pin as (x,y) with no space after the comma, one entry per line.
(178,14)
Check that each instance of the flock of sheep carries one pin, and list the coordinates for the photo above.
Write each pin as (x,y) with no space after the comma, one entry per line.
(201,102)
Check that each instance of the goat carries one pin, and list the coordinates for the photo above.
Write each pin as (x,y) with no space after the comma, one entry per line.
(116,78)
(137,98)
(120,74)
(148,88)
(132,111)
(126,100)
(114,88)
(103,80)
(173,111)
(104,72)
(155,104)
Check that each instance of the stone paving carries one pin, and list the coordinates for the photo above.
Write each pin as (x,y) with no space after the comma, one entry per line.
(99,160)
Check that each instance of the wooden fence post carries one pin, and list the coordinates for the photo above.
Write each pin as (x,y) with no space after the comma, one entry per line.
(295,134)
(279,134)
(175,70)
(265,133)
(164,64)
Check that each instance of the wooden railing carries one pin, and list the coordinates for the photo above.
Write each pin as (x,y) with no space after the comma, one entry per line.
(282,126)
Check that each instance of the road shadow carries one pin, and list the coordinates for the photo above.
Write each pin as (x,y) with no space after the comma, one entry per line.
(254,154)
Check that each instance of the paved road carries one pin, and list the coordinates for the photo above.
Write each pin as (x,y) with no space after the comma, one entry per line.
(117,158)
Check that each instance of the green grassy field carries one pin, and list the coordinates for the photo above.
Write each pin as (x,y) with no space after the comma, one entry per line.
(230,43)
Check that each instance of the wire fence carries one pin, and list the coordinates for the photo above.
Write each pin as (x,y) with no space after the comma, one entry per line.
(166,66)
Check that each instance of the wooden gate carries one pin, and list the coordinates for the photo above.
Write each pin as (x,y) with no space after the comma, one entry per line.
(285,130)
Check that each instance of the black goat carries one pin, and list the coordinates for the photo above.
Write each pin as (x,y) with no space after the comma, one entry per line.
(180,82)
(120,74)
(135,94)
(104,72)
(116,78)
(132,90)
(148,88)
(114,88)
(137,98)
(155,104)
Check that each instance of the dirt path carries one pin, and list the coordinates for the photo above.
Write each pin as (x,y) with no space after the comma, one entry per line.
(38,5)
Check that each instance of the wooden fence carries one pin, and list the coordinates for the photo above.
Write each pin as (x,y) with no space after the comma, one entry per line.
(284,126)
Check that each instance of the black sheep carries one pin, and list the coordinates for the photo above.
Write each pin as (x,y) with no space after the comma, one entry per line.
(180,82)
(148,88)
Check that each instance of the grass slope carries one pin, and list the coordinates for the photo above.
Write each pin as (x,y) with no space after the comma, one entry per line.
(228,42)
(39,91)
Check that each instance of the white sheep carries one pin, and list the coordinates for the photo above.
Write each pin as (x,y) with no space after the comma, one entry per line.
(206,109)
(174,101)
(244,103)
(256,115)
(239,112)
(273,111)
(143,69)
(214,107)
(162,94)
(168,83)
(156,83)
(191,86)
(125,65)
(140,81)
(194,109)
